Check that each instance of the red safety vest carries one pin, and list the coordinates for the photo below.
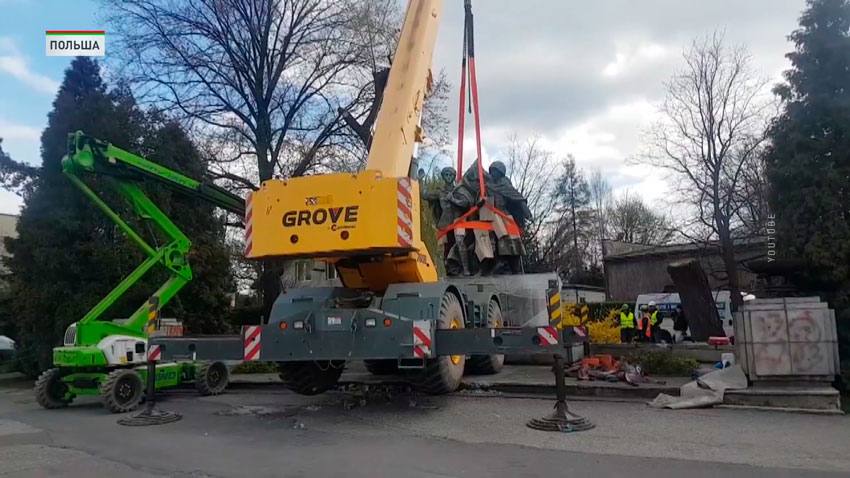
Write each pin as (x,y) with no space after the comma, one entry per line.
(644,325)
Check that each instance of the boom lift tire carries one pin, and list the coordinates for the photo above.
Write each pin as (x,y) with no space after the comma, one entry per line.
(488,364)
(443,374)
(211,378)
(311,378)
(122,390)
(382,367)
(50,391)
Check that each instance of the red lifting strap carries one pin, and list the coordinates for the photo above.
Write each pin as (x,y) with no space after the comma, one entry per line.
(461,223)
(469,56)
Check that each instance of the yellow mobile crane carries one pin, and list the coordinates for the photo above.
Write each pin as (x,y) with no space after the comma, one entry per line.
(392,310)
(367,224)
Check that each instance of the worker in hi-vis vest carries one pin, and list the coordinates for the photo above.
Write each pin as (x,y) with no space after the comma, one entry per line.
(644,330)
(627,324)
(654,319)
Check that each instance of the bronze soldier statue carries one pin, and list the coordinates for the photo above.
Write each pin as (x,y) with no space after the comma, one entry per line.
(450,201)
(437,198)
(505,196)
(507,199)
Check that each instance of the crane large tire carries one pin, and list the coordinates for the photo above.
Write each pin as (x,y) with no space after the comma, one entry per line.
(311,378)
(442,375)
(488,364)
(211,378)
(382,367)
(50,391)
(122,390)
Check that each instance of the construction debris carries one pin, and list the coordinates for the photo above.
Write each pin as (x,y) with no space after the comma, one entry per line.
(706,391)
(606,368)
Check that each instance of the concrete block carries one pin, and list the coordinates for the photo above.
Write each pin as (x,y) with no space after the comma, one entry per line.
(772,359)
(811,359)
(822,398)
(787,338)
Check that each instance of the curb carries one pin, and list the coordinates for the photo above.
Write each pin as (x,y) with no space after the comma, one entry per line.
(574,390)
(810,411)
(541,389)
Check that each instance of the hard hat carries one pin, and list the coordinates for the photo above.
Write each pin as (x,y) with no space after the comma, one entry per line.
(625,306)
(652,303)
(499,165)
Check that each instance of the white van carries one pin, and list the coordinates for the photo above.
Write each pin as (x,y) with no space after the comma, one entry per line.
(667,302)
(7,347)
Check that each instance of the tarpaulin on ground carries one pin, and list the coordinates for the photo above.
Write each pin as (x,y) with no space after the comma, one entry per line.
(705,391)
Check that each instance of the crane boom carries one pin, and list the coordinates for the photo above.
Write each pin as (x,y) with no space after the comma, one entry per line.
(397,128)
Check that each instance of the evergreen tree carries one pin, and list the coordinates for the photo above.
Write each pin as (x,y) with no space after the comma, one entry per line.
(808,162)
(203,304)
(68,254)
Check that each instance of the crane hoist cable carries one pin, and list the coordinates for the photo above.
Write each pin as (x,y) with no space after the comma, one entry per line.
(468,74)
(468,70)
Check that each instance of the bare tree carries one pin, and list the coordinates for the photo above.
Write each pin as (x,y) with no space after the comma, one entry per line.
(268,74)
(600,201)
(630,220)
(751,196)
(530,165)
(712,125)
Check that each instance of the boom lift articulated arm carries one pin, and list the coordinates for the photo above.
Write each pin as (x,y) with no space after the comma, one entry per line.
(87,155)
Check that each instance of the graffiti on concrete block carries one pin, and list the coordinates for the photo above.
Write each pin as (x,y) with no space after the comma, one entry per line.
(793,337)
(804,326)
(772,359)
(769,326)
(792,342)
(809,359)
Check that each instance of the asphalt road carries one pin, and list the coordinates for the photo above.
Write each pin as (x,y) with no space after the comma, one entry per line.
(268,432)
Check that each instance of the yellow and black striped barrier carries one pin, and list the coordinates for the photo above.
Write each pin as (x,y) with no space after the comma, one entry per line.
(554,307)
(153,313)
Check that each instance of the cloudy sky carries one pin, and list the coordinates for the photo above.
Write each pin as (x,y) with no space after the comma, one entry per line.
(584,76)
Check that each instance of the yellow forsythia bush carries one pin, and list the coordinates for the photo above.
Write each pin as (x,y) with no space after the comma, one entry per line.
(569,315)
(605,331)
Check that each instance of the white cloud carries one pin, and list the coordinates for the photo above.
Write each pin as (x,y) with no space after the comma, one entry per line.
(13,63)
(17,66)
(606,139)
(603,141)
(21,142)
(629,58)
(644,181)
(10,203)
(10,130)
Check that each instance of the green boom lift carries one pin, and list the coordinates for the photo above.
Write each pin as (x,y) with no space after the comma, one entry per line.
(105,357)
